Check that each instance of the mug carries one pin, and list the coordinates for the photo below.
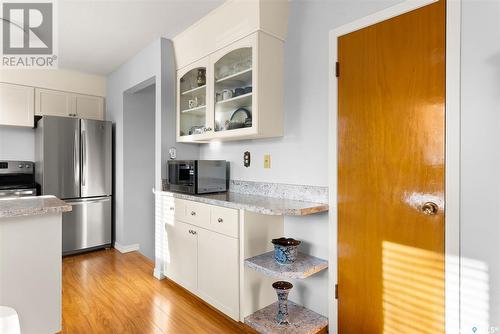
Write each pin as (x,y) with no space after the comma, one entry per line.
(227,94)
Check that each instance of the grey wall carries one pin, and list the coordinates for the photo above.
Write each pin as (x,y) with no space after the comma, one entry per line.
(480,165)
(301,155)
(139,172)
(155,62)
(17,143)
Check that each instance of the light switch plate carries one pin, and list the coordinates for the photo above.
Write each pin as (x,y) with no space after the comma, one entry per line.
(267,161)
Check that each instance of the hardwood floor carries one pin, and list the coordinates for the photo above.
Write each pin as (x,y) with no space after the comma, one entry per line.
(109,292)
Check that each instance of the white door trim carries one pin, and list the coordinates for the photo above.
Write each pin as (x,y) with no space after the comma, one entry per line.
(452,154)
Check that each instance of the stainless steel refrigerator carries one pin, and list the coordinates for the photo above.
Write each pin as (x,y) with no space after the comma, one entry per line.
(74,163)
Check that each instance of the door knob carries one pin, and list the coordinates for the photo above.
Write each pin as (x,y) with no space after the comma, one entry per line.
(220,220)
(430,208)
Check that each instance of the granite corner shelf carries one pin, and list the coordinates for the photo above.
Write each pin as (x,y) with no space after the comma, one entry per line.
(303,267)
(302,320)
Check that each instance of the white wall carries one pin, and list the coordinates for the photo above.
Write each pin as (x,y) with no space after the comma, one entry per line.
(301,156)
(18,143)
(58,79)
(139,152)
(155,62)
(480,165)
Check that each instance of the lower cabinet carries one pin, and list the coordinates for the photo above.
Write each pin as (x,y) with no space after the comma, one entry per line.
(181,264)
(218,271)
(199,257)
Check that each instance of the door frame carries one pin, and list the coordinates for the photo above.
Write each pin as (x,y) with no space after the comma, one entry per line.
(452,154)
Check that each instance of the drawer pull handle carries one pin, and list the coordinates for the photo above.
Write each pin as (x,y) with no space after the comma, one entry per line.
(193,213)
(220,220)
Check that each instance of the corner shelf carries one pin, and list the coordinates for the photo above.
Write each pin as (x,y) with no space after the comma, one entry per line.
(303,267)
(302,320)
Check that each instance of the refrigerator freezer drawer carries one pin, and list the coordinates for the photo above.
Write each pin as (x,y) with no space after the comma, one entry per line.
(88,225)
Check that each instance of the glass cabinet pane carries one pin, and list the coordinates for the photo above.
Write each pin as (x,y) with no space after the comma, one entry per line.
(233,90)
(192,102)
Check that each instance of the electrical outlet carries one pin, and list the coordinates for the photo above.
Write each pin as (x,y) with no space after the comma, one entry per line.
(246,159)
(267,161)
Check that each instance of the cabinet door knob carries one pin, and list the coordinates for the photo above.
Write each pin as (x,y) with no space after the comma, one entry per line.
(220,220)
(171,208)
(193,213)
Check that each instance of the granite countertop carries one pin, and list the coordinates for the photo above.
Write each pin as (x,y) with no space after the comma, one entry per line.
(33,205)
(260,204)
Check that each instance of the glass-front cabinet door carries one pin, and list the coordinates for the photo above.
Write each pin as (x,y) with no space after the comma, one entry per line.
(192,101)
(233,92)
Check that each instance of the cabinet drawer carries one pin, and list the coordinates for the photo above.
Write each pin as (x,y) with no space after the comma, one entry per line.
(171,208)
(197,214)
(224,221)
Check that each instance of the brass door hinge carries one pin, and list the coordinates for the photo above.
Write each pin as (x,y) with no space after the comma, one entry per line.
(337,69)
(336,291)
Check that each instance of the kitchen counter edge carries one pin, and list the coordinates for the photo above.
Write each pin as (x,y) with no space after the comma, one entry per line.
(273,206)
(32,206)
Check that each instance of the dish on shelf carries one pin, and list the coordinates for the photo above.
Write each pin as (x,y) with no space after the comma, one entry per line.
(240,118)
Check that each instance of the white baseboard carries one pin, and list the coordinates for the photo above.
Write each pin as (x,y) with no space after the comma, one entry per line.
(126,248)
(158,274)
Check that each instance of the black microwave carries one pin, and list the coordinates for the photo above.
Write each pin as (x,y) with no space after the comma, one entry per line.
(197,176)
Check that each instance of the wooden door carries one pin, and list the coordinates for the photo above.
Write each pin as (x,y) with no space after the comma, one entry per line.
(181,260)
(391,111)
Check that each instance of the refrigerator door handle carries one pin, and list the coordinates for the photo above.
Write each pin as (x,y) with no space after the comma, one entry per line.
(84,157)
(76,160)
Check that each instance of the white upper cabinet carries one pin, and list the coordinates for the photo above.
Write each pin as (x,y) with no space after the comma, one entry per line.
(58,103)
(228,23)
(243,94)
(16,105)
(54,103)
(193,99)
(90,107)
(240,44)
